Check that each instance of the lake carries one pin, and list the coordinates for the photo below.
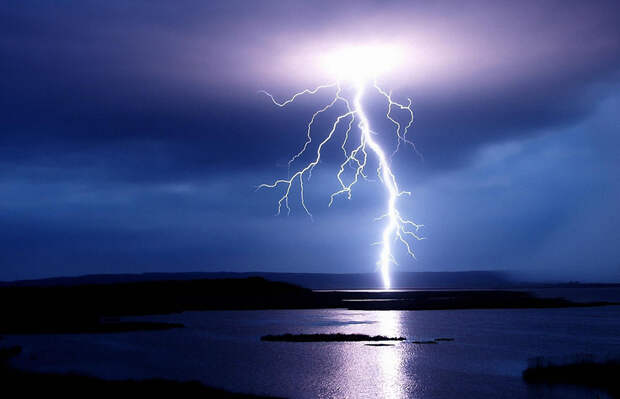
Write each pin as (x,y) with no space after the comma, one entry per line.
(223,349)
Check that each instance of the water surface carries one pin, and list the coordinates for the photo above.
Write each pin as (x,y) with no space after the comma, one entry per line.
(223,349)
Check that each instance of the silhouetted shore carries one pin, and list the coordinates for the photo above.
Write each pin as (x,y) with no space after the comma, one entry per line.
(89,308)
(329,281)
(28,384)
(596,375)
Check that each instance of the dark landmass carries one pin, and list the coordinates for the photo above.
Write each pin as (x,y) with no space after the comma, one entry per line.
(596,375)
(29,384)
(315,281)
(345,338)
(329,338)
(329,281)
(7,353)
(88,308)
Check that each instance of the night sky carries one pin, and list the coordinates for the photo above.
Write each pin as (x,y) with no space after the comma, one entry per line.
(134,137)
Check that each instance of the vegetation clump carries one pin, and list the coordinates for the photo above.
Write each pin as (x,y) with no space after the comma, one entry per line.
(596,375)
(329,338)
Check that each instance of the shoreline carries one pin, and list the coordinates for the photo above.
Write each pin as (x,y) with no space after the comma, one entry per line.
(39,310)
(30,383)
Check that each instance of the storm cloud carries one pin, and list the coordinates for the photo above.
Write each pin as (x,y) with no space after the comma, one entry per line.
(133,136)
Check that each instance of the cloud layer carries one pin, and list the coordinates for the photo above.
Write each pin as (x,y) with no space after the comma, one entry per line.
(133,136)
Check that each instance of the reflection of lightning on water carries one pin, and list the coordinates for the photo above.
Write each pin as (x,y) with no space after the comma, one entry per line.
(397,227)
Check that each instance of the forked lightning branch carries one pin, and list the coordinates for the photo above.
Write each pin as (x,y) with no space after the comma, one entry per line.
(356,70)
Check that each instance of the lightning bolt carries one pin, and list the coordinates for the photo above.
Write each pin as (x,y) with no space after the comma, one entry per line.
(397,228)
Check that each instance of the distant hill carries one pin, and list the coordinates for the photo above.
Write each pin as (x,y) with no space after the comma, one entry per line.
(315,281)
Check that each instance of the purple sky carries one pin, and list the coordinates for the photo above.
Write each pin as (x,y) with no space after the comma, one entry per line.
(133,136)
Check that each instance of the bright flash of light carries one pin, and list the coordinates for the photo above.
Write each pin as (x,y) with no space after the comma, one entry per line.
(361,63)
(357,69)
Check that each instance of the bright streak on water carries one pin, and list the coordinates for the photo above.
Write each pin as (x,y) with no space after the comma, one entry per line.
(390,360)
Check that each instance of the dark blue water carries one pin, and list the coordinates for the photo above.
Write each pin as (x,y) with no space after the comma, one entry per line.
(223,349)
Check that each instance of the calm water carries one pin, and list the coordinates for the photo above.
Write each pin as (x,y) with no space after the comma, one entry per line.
(223,349)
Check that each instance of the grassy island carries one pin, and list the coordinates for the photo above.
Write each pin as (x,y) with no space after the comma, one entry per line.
(588,373)
(329,338)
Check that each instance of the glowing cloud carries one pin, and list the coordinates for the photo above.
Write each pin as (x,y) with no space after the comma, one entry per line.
(356,70)
(361,63)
